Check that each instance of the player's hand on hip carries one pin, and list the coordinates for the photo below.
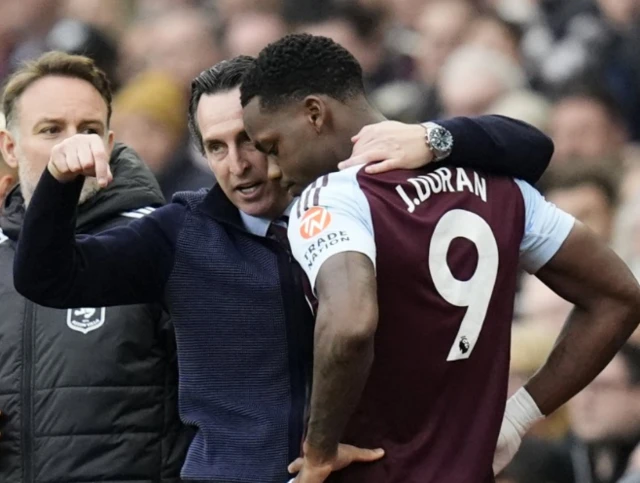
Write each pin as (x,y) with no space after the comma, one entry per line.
(507,447)
(521,413)
(390,145)
(310,471)
(80,155)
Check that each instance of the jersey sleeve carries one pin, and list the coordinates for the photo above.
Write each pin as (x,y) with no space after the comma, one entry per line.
(546,229)
(332,216)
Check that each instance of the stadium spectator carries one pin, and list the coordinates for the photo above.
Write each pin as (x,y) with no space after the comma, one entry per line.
(149,117)
(589,194)
(606,420)
(88,393)
(183,43)
(494,76)
(27,22)
(247,33)
(442,27)
(495,33)
(110,17)
(586,126)
(74,37)
(134,50)
(525,105)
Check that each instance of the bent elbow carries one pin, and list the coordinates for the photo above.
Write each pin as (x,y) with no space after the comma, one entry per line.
(33,290)
(624,309)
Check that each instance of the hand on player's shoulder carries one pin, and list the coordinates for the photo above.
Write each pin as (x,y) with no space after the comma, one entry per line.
(389,145)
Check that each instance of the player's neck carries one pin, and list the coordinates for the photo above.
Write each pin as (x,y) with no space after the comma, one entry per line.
(359,114)
(362,114)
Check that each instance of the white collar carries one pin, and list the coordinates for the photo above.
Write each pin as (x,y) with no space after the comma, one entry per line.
(259,225)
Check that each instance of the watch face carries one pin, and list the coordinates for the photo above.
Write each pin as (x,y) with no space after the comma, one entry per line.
(441,139)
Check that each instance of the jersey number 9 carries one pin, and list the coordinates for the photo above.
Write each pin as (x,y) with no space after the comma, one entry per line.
(475,293)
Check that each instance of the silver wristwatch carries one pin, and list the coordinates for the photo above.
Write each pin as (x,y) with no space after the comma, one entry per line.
(439,140)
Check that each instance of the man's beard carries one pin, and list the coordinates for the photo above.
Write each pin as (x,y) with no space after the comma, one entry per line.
(29,181)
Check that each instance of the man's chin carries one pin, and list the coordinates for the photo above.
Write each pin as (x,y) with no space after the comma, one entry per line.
(259,208)
(268,207)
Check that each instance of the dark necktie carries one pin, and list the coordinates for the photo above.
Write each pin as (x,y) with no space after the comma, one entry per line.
(278,232)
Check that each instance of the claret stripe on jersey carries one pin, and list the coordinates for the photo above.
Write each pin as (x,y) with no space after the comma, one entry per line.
(311,196)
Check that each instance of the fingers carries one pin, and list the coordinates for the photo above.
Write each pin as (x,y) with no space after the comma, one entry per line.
(372,150)
(82,154)
(384,166)
(398,145)
(360,455)
(355,161)
(84,157)
(101,161)
(373,131)
(366,142)
(388,160)
(71,158)
(296,466)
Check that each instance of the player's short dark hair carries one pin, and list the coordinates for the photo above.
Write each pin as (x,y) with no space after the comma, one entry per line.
(299,65)
(222,77)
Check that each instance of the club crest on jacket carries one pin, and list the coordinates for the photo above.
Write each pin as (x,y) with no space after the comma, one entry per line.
(86,319)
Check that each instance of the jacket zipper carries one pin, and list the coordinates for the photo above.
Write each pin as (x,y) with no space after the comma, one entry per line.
(27,394)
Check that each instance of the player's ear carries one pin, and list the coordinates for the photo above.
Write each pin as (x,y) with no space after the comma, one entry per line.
(316,112)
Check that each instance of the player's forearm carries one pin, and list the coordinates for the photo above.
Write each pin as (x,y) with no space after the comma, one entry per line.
(341,367)
(588,342)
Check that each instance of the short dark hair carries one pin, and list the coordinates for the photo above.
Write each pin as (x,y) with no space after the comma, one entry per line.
(299,65)
(222,77)
(576,173)
(593,91)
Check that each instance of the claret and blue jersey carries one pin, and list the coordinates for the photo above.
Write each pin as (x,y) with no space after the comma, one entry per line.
(446,245)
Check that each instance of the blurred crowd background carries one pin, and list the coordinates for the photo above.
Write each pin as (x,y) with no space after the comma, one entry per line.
(569,67)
